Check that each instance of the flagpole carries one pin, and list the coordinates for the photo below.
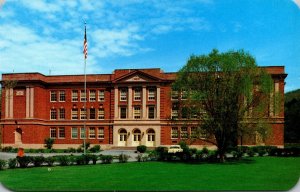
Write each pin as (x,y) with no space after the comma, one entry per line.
(85,57)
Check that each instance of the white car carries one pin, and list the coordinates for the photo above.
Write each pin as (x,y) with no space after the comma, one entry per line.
(175,149)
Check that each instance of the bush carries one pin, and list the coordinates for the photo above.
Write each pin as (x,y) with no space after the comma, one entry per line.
(95,149)
(49,160)
(71,150)
(2,164)
(94,159)
(162,153)
(238,153)
(142,157)
(79,160)
(250,152)
(49,143)
(24,161)
(38,160)
(7,149)
(87,145)
(141,148)
(123,158)
(106,159)
(152,155)
(63,160)
(12,163)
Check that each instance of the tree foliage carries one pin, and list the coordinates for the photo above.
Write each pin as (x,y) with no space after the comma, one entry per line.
(224,92)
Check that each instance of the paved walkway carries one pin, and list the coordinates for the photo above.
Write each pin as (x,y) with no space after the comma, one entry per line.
(131,153)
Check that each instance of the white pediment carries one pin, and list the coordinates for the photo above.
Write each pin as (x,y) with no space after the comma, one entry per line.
(136,78)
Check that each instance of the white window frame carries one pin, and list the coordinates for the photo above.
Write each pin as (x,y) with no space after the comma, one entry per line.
(125,113)
(151,106)
(83,114)
(101,95)
(53,112)
(92,133)
(82,133)
(101,113)
(137,94)
(73,114)
(53,96)
(151,94)
(91,113)
(62,113)
(74,95)
(100,133)
(82,95)
(62,96)
(174,133)
(74,131)
(61,133)
(92,95)
(53,131)
(174,95)
(184,133)
(137,112)
(123,94)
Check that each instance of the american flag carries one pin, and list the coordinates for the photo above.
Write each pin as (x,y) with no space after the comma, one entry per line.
(85,51)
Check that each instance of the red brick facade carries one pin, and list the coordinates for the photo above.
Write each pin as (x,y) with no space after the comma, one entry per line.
(126,108)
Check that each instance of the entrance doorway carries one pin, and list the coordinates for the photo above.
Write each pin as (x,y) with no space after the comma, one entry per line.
(18,136)
(122,137)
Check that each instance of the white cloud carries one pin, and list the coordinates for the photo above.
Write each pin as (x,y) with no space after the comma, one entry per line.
(297,2)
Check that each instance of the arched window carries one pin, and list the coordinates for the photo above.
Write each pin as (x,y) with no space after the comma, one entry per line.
(136,135)
(151,135)
(123,135)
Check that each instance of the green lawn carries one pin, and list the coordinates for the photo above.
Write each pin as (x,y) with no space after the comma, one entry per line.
(259,173)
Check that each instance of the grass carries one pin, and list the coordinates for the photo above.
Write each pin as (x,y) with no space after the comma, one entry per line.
(259,173)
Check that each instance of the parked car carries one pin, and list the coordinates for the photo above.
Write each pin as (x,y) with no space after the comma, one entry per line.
(175,149)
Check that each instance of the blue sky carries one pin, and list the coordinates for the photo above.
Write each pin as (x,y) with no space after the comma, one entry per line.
(47,36)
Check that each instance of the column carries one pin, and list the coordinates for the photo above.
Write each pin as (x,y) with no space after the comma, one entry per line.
(129,102)
(116,109)
(144,99)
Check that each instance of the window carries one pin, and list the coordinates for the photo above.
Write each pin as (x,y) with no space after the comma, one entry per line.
(53,114)
(61,132)
(137,112)
(74,95)
(92,95)
(184,112)
(123,112)
(174,133)
(92,113)
(101,95)
(137,94)
(174,113)
(82,133)
(151,112)
(137,135)
(62,96)
(92,133)
(183,133)
(100,113)
(74,133)
(62,113)
(123,94)
(123,135)
(82,113)
(82,96)
(184,95)
(151,135)
(53,132)
(193,132)
(53,96)
(174,95)
(100,133)
(74,114)
(151,94)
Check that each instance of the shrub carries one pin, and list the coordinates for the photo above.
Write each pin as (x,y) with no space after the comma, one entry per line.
(250,152)
(12,163)
(162,153)
(106,159)
(38,160)
(7,149)
(49,160)
(142,157)
(49,143)
(94,159)
(237,154)
(24,161)
(87,145)
(71,150)
(123,158)
(79,160)
(2,164)
(152,155)
(63,160)
(95,149)
(141,148)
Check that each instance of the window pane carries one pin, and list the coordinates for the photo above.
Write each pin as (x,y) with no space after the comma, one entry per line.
(61,113)
(53,96)
(151,94)
(74,113)
(62,96)
(82,95)
(92,133)
(101,95)
(137,112)
(100,133)
(53,114)
(61,133)
(74,133)
(74,95)
(92,113)
(101,113)
(92,95)
(151,112)
(123,95)
(174,133)
(82,113)
(53,132)
(123,112)
(137,94)
(82,133)
(183,133)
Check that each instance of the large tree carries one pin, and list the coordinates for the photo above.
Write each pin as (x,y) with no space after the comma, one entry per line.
(225,95)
